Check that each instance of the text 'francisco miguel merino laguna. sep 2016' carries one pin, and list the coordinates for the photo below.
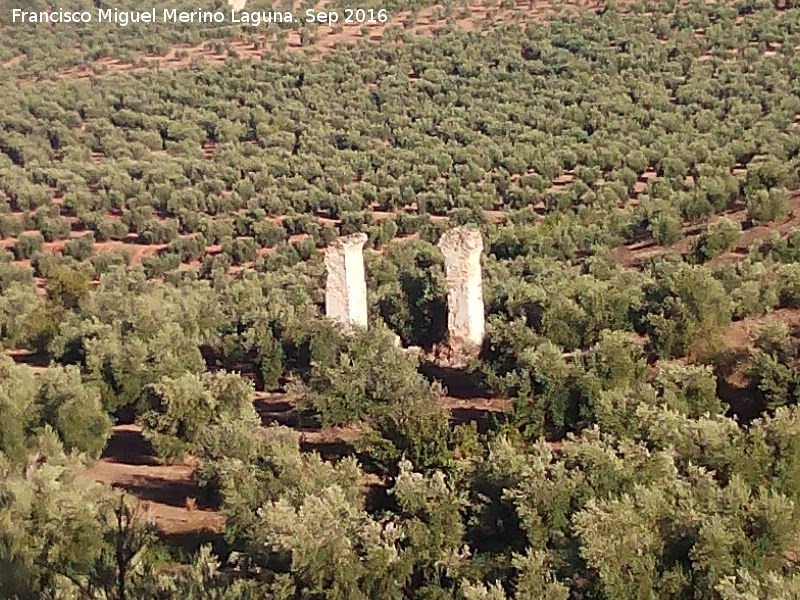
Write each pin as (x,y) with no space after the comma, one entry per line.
(123,18)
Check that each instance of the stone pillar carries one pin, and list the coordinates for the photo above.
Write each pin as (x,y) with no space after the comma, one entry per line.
(346,288)
(462,249)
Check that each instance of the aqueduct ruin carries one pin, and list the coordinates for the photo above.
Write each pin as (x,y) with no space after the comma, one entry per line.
(346,288)
(462,249)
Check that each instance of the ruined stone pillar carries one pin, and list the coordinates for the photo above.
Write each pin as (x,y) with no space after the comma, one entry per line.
(346,288)
(462,249)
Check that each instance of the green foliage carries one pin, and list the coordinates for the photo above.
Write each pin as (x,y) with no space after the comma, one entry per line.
(408,291)
(550,377)
(412,427)
(39,544)
(251,468)
(175,411)
(11,274)
(666,228)
(243,250)
(689,389)
(536,580)
(368,370)
(746,586)
(63,534)
(336,550)
(67,289)
(58,399)
(27,244)
(206,578)
(767,205)
(18,411)
(601,130)
(688,307)
(721,236)
(369,378)
(773,366)
(73,409)
(18,304)
(80,248)
(789,285)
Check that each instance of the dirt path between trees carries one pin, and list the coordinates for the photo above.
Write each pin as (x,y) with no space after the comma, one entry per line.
(179,507)
(169,496)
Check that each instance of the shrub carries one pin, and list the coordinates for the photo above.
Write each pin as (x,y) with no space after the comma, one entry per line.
(325,236)
(43,263)
(666,228)
(690,389)
(243,250)
(73,409)
(214,264)
(11,273)
(189,248)
(27,245)
(267,234)
(103,262)
(789,285)
(54,228)
(355,221)
(690,309)
(110,229)
(413,427)
(305,248)
(767,205)
(154,231)
(176,411)
(772,366)
(408,287)
(10,226)
(157,266)
(67,288)
(368,371)
(408,224)
(18,408)
(545,386)
(80,248)
(721,236)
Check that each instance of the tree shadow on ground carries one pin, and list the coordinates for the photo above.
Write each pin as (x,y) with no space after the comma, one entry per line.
(733,386)
(186,544)
(742,402)
(459,383)
(127,446)
(168,491)
(485,419)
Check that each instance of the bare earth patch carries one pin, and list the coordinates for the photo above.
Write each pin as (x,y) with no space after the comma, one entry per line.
(633,254)
(171,499)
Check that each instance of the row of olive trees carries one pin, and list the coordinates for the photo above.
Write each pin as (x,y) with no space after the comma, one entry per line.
(303,161)
(678,494)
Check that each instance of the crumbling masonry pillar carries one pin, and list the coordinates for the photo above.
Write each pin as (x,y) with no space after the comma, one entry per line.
(346,288)
(462,249)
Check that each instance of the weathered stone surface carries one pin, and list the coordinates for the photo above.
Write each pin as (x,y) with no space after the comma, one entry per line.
(462,249)
(346,288)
